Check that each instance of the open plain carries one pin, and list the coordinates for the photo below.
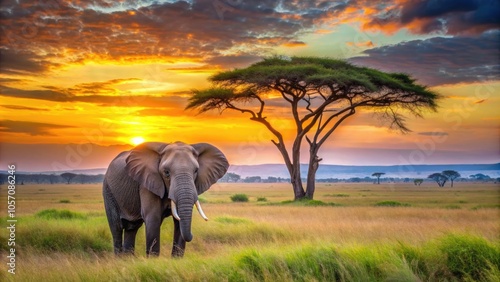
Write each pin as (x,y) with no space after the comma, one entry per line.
(350,232)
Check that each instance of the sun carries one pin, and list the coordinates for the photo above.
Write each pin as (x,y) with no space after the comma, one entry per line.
(137,140)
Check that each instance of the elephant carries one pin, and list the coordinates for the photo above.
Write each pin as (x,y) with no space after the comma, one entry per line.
(153,181)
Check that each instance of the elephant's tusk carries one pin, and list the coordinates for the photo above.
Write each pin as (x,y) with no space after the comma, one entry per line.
(200,210)
(174,210)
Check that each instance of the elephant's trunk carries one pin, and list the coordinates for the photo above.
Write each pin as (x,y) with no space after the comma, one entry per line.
(185,197)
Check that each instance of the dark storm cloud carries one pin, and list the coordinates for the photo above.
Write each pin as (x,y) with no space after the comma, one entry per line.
(40,35)
(203,29)
(31,128)
(440,60)
(22,62)
(442,16)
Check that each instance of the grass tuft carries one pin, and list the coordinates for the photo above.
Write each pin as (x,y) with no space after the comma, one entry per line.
(261,199)
(337,195)
(391,204)
(308,203)
(65,201)
(47,235)
(239,198)
(59,214)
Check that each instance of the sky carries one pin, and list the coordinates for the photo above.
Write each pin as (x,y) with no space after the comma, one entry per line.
(83,80)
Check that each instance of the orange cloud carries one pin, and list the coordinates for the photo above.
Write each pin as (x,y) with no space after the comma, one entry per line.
(293,44)
(366,44)
(322,31)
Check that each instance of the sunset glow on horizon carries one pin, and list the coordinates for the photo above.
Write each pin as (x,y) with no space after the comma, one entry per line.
(120,74)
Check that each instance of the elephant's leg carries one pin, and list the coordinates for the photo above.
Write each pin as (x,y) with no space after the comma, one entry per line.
(151,211)
(131,229)
(114,221)
(153,236)
(179,245)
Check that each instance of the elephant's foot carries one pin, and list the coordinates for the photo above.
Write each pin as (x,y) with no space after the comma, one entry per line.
(177,252)
(129,251)
(118,250)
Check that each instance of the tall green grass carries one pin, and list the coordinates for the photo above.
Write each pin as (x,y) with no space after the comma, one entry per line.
(452,257)
(272,241)
(61,231)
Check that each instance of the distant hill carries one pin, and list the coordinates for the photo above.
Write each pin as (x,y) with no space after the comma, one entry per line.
(94,171)
(340,171)
(336,171)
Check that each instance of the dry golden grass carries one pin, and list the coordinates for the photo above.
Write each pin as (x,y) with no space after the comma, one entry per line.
(236,227)
(433,210)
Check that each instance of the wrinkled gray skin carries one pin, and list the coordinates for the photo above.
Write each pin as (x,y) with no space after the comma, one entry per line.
(140,184)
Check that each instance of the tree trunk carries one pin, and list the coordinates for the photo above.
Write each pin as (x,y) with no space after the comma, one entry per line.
(311,173)
(296,179)
(298,190)
(293,168)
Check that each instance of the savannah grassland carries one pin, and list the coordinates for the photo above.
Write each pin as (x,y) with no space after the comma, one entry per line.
(436,234)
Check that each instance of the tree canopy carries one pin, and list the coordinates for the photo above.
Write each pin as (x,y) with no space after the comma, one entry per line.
(320,93)
(451,175)
(68,176)
(378,175)
(439,178)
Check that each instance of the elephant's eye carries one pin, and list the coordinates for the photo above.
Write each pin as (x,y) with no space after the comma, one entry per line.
(167,173)
(196,171)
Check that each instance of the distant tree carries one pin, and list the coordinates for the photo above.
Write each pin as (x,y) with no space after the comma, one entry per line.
(271,179)
(233,177)
(418,181)
(68,176)
(451,175)
(480,177)
(252,179)
(439,178)
(52,178)
(377,175)
(354,179)
(320,94)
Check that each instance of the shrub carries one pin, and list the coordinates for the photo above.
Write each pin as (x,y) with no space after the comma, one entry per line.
(391,204)
(261,199)
(239,198)
(65,201)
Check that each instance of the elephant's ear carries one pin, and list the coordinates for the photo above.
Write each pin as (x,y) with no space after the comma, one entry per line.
(213,165)
(142,165)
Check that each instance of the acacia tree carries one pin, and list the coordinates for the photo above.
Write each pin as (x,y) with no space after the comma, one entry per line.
(377,175)
(439,178)
(68,176)
(320,94)
(418,181)
(451,175)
